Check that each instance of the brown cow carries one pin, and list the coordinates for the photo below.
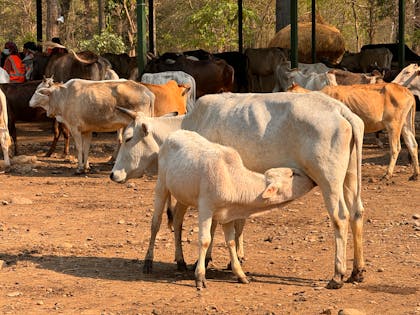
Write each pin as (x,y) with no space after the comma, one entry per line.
(262,64)
(211,76)
(381,106)
(18,96)
(343,77)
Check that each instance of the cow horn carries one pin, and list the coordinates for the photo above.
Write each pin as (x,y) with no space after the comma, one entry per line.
(76,56)
(129,112)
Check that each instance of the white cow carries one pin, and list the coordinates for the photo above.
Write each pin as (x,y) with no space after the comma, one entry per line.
(86,106)
(305,68)
(180,77)
(410,78)
(5,141)
(4,76)
(311,132)
(212,178)
(309,80)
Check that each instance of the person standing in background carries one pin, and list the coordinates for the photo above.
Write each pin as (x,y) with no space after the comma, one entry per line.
(13,64)
(29,49)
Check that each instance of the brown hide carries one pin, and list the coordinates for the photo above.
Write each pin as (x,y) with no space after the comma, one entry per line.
(211,76)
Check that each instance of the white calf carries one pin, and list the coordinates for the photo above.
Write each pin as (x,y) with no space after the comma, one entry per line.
(212,178)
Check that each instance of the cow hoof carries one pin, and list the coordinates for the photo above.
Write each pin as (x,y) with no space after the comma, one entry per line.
(386,177)
(413,177)
(79,172)
(181,265)
(333,284)
(243,280)
(356,276)
(148,266)
(200,283)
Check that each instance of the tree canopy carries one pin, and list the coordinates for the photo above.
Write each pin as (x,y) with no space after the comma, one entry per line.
(190,24)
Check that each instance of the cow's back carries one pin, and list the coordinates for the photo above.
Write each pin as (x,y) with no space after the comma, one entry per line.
(293,130)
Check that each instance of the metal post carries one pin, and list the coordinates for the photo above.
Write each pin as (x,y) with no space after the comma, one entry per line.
(240,37)
(313,31)
(293,34)
(141,35)
(152,34)
(39,21)
(401,31)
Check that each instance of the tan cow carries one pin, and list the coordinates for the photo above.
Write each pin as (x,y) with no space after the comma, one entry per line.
(381,106)
(86,106)
(262,63)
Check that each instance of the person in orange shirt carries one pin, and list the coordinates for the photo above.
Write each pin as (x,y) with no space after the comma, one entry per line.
(13,64)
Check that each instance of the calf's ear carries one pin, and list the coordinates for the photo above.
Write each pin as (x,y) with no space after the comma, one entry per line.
(270,191)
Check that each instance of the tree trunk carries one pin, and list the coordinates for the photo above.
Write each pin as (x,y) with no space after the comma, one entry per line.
(52,15)
(416,43)
(356,25)
(101,14)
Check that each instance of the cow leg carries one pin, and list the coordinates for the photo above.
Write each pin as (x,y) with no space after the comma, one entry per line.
(355,206)
(5,143)
(229,231)
(77,136)
(409,137)
(339,215)
(57,133)
(86,138)
(119,141)
(239,241)
(394,147)
(179,212)
(204,239)
(378,140)
(161,196)
(12,133)
(66,134)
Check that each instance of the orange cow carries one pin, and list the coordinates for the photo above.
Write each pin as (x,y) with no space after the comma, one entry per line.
(169,97)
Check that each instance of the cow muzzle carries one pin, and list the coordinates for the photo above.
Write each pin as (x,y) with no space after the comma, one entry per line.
(118,176)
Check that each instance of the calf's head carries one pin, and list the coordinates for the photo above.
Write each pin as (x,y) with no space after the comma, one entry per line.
(41,97)
(139,150)
(285,184)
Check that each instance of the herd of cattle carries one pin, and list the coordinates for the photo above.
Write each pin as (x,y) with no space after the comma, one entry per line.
(230,155)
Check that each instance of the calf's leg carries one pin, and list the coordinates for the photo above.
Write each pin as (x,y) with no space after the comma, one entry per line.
(161,196)
(204,239)
(229,232)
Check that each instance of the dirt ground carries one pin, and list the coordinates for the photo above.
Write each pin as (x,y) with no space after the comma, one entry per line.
(75,245)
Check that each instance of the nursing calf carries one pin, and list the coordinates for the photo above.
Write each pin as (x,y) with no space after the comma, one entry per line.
(212,178)
(269,131)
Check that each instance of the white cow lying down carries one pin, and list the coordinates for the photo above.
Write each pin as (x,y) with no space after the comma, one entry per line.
(311,132)
(212,178)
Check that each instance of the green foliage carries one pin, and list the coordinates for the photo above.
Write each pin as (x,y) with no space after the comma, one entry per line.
(215,25)
(105,42)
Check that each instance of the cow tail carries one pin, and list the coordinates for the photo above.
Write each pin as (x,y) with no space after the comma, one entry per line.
(358,132)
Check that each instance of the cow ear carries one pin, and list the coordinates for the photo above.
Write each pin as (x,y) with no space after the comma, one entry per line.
(46,92)
(187,88)
(270,191)
(145,129)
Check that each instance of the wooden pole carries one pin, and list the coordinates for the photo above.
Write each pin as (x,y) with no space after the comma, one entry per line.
(141,35)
